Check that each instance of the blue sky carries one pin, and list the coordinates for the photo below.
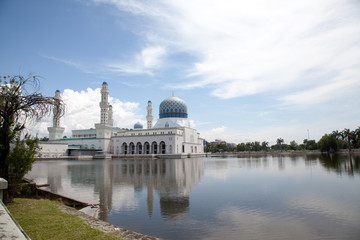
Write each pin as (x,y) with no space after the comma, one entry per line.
(248,70)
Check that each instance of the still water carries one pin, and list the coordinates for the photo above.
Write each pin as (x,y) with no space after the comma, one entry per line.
(294,197)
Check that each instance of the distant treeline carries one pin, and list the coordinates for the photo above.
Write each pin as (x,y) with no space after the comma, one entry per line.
(331,142)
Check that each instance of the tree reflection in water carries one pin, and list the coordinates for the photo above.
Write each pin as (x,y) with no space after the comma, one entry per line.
(341,164)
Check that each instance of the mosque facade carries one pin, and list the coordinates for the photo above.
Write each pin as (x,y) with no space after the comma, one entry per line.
(172,134)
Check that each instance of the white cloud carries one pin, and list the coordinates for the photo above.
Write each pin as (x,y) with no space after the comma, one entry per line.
(83,111)
(289,132)
(145,62)
(218,131)
(250,47)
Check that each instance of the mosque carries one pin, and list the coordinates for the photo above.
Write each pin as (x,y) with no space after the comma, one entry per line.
(171,136)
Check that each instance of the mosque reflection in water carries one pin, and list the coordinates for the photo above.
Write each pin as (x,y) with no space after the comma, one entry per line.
(172,180)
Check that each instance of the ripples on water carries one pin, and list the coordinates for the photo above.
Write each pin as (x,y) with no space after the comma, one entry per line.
(298,197)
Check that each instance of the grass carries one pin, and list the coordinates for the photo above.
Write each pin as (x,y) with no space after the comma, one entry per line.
(42,219)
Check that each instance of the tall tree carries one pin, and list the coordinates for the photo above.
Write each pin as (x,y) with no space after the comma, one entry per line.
(279,142)
(20,103)
(348,136)
(265,146)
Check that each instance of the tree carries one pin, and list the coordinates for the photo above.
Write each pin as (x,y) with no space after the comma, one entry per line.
(240,147)
(328,143)
(310,144)
(265,146)
(20,161)
(20,103)
(279,141)
(293,145)
(350,136)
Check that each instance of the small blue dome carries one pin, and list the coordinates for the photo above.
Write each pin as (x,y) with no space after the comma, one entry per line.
(57,91)
(173,107)
(110,105)
(105,83)
(149,101)
(138,126)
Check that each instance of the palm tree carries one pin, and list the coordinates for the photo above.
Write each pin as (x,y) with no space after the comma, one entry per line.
(279,141)
(349,136)
(265,146)
(336,134)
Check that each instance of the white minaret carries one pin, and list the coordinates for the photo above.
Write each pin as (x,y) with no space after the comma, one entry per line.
(110,120)
(56,118)
(104,104)
(149,116)
(103,129)
(55,132)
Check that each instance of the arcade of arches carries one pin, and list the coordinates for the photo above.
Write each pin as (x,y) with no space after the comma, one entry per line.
(145,148)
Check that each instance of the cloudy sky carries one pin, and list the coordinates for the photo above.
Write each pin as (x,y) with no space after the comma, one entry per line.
(248,70)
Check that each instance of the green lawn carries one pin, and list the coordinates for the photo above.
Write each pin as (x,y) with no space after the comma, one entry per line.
(42,219)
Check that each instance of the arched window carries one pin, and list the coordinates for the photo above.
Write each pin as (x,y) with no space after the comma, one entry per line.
(139,148)
(124,148)
(147,148)
(154,148)
(132,148)
(162,147)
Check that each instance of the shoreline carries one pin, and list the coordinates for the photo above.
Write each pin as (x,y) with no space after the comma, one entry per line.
(355,152)
(105,226)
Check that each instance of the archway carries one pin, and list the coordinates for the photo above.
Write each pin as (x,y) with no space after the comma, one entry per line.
(162,147)
(132,148)
(124,148)
(154,148)
(138,148)
(147,148)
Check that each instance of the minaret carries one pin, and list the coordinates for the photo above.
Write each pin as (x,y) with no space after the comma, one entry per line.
(55,132)
(149,116)
(104,128)
(110,120)
(56,118)
(104,104)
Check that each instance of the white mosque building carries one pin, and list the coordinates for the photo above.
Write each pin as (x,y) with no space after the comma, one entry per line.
(171,136)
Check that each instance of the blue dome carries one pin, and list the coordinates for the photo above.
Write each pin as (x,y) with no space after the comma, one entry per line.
(173,107)
(105,83)
(57,91)
(138,126)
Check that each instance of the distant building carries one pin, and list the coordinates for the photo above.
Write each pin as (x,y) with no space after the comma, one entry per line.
(172,134)
(217,142)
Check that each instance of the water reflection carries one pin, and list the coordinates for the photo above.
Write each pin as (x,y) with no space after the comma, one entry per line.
(249,198)
(171,179)
(341,164)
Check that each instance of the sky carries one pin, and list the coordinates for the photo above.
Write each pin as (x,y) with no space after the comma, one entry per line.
(248,70)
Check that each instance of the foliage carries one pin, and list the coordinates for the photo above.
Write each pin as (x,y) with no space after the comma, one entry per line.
(42,219)
(293,145)
(328,143)
(345,139)
(20,160)
(310,144)
(20,103)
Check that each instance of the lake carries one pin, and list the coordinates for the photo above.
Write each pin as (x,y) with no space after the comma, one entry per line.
(268,197)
